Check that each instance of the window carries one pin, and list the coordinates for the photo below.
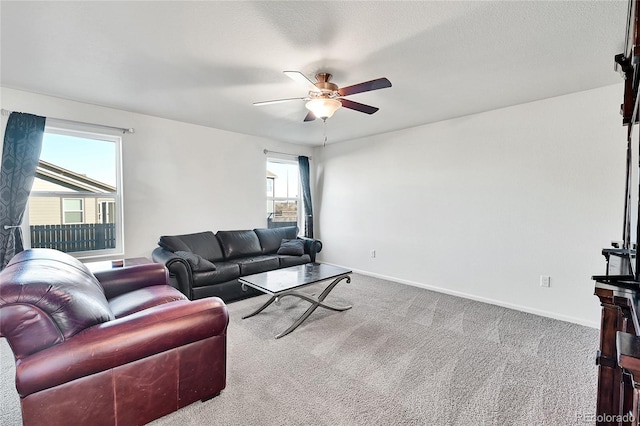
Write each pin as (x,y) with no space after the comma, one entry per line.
(283,193)
(75,204)
(72,210)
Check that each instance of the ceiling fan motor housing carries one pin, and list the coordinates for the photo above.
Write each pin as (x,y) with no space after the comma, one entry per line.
(325,86)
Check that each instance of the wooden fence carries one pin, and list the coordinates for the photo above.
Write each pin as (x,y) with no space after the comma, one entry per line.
(70,238)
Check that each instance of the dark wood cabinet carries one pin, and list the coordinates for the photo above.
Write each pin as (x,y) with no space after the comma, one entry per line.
(618,358)
(615,403)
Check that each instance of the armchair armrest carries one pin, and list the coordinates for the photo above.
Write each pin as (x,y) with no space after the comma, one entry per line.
(178,268)
(311,247)
(114,343)
(118,281)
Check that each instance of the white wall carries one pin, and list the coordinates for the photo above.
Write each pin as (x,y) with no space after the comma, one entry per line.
(483,205)
(178,177)
(479,206)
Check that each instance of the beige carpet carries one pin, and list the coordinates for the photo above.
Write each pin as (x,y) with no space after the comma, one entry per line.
(401,356)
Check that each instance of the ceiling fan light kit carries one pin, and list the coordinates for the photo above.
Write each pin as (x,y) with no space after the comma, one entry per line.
(325,98)
(323,108)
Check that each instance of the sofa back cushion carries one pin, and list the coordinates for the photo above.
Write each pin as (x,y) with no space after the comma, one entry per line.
(204,244)
(236,244)
(270,239)
(46,297)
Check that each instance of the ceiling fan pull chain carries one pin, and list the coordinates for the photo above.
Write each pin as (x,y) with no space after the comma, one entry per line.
(324,143)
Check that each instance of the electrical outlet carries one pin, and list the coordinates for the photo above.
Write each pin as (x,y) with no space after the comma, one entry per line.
(545,281)
(373,254)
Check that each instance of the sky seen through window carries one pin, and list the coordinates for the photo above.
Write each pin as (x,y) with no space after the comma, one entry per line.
(94,158)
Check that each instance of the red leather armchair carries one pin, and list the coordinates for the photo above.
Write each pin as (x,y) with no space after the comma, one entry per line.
(118,347)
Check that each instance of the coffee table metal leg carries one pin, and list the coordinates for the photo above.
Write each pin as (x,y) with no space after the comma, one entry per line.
(319,300)
(314,304)
(311,299)
(261,308)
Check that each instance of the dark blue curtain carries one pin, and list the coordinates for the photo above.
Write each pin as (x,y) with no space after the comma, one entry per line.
(303,164)
(20,155)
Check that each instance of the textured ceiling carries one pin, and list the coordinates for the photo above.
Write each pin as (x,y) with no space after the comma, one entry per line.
(207,62)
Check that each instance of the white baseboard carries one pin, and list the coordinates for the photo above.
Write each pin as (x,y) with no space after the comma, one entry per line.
(527,309)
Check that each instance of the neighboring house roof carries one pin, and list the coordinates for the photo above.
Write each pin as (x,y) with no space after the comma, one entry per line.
(271,175)
(70,179)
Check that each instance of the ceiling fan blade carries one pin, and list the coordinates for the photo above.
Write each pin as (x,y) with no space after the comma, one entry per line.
(310,117)
(367,109)
(277,101)
(302,79)
(379,83)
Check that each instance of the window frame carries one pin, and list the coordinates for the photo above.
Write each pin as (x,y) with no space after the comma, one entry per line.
(273,199)
(80,131)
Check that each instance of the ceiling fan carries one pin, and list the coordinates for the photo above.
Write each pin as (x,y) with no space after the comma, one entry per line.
(325,98)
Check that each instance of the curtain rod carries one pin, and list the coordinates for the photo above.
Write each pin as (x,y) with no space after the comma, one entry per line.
(266,151)
(102,126)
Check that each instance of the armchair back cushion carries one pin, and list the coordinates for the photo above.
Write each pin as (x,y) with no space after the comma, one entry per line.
(270,239)
(204,244)
(53,296)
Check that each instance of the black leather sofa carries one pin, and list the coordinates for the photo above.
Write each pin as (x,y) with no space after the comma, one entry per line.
(206,264)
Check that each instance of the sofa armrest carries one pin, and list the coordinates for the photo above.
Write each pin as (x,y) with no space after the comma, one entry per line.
(178,268)
(311,247)
(118,281)
(114,343)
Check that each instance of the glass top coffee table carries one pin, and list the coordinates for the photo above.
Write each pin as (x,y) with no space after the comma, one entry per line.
(287,281)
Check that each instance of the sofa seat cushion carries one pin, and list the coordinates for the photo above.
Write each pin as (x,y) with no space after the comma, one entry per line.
(144,298)
(225,271)
(257,264)
(286,260)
